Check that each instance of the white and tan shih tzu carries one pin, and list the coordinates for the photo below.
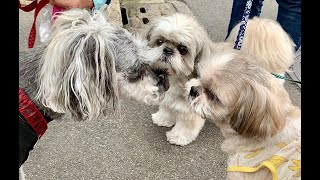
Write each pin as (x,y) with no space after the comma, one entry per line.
(185,43)
(260,125)
(83,67)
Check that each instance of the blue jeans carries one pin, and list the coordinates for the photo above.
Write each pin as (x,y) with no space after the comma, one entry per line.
(289,16)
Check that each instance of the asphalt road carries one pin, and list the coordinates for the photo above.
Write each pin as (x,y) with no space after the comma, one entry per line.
(128,145)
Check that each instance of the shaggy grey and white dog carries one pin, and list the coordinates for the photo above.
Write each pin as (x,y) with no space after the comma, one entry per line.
(84,64)
(81,70)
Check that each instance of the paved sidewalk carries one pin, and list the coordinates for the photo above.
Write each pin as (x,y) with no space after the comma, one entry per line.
(128,145)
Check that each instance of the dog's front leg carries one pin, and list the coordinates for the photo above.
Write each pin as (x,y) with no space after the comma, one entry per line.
(186,129)
(164,117)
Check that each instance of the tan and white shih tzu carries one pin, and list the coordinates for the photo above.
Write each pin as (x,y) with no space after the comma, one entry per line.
(83,67)
(260,125)
(184,42)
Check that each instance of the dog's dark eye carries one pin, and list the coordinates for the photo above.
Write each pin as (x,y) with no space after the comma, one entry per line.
(182,49)
(211,95)
(159,42)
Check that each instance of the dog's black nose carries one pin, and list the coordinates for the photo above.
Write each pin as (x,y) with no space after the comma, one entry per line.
(194,91)
(168,51)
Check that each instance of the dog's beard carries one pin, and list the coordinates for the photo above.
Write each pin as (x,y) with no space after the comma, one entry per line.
(165,58)
(174,64)
(198,106)
(163,62)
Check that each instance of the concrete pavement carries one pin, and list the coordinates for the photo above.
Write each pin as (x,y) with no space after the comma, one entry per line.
(128,145)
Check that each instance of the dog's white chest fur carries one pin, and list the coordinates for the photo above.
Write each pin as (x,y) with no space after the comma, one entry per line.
(174,98)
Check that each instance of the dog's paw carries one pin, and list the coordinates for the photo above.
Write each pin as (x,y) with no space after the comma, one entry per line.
(180,138)
(153,97)
(162,120)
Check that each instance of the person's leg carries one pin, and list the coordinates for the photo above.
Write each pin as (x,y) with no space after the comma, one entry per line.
(289,17)
(238,7)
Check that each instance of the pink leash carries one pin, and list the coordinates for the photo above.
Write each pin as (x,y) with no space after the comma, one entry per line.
(55,12)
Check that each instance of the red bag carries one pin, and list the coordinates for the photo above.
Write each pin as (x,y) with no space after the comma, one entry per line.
(37,6)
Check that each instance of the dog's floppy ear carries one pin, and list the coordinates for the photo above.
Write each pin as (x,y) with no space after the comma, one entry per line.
(199,56)
(147,32)
(204,45)
(258,113)
(77,71)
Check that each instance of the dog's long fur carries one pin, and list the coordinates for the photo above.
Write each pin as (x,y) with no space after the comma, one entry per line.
(264,40)
(236,91)
(85,62)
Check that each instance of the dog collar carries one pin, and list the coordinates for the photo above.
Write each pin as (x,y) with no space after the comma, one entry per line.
(282,77)
(32,114)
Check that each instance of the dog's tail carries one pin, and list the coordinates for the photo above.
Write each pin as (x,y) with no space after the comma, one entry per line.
(267,41)
(77,72)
